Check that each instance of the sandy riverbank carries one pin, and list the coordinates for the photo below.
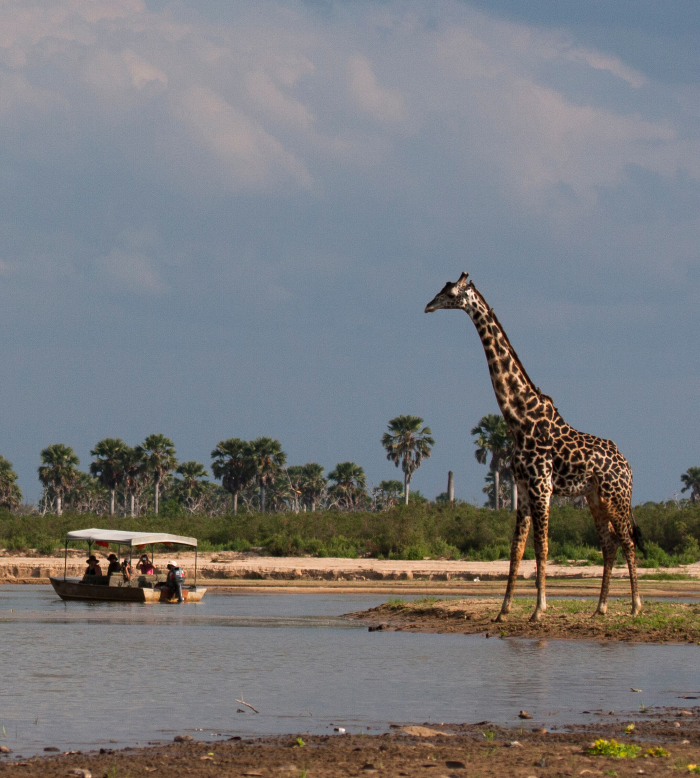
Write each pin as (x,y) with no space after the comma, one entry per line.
(664,740)
(229,567)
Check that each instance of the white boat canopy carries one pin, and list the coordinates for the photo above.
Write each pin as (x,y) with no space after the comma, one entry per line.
(128,538)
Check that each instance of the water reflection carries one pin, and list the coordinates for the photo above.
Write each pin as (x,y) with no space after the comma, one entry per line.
(76,674)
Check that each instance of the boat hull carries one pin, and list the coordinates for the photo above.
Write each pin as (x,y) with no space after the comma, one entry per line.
(77,589)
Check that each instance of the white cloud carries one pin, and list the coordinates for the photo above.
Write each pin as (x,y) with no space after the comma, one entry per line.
(251,155)
(142,72)
(385,104)
(599,61)
(263,101)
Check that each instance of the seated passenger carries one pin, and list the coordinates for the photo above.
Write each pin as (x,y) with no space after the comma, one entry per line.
(93,566)
(173,583)
(114,566)
(145,567)
(126,569)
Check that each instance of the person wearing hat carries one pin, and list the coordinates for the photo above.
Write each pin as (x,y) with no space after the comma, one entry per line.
(114,566)
(93,566)
(175,579)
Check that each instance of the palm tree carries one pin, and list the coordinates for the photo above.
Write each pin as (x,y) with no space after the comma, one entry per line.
(134,475)
(269,459)
(494,438)
(158,455)
(109,465)
(192,486)
(307,483)
(388,493)
(408,444)
(233,464)
(10,493)
(691,479)
(350,483)
(58,472)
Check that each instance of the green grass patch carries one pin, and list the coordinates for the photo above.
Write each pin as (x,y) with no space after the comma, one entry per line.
(613,748)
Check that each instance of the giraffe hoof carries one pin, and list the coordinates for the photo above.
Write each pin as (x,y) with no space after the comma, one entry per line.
(597,612)
(501,617)
(536,616)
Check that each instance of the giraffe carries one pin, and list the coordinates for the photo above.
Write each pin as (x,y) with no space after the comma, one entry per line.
(549,457)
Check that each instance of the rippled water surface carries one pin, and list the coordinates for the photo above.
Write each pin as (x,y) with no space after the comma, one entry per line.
(79,674)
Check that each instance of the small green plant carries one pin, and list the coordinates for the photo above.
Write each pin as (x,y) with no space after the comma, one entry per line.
(300,743)
(396,602)
(658,751)
(629,729)
(642,708)
(694,768)
(613,748)
(489,735)
(610,772)
(302,773)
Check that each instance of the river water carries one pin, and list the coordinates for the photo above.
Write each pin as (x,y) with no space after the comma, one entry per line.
(78,675)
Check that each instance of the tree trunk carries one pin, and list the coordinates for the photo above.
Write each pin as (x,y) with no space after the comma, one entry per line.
(111,502)
(497,485)
(59,506)
(132,505)
(262,499)
(156,494)
(450,486)
(406,487)
(235,503)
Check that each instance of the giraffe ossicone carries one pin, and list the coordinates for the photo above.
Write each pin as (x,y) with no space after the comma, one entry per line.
(549,457)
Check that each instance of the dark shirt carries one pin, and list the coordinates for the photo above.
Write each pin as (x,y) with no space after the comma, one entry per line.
(114,567)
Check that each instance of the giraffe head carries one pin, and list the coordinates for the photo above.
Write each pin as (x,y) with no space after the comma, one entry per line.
(460,294)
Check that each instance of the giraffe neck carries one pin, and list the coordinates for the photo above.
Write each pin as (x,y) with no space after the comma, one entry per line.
(517,396)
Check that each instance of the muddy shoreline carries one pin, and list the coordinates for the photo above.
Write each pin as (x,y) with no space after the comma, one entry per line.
(660,622)
(664,740)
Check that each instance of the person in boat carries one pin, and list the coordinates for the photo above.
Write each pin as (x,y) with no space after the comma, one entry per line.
(126,569)
(114,566)
(174,581)
(93,566)
(145,567)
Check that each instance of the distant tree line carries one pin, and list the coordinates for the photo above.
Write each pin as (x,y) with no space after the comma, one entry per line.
(127,480)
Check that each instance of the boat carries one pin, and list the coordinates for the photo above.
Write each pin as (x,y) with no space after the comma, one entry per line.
(114,588)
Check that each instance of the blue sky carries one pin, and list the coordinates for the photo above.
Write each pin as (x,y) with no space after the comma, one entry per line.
(225,219)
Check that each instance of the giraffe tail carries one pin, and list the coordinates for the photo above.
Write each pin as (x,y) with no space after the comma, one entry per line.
(637,534)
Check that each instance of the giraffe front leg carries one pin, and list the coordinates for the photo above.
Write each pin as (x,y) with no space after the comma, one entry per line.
(517,548)
(540,521)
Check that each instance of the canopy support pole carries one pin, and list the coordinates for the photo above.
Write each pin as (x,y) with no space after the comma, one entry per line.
(195,568)
(65,560)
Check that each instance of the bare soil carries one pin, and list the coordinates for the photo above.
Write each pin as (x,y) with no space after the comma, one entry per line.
(454,750)
(660,622)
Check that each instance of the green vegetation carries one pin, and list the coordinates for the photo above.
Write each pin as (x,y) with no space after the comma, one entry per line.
(613,748)
(415,531)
